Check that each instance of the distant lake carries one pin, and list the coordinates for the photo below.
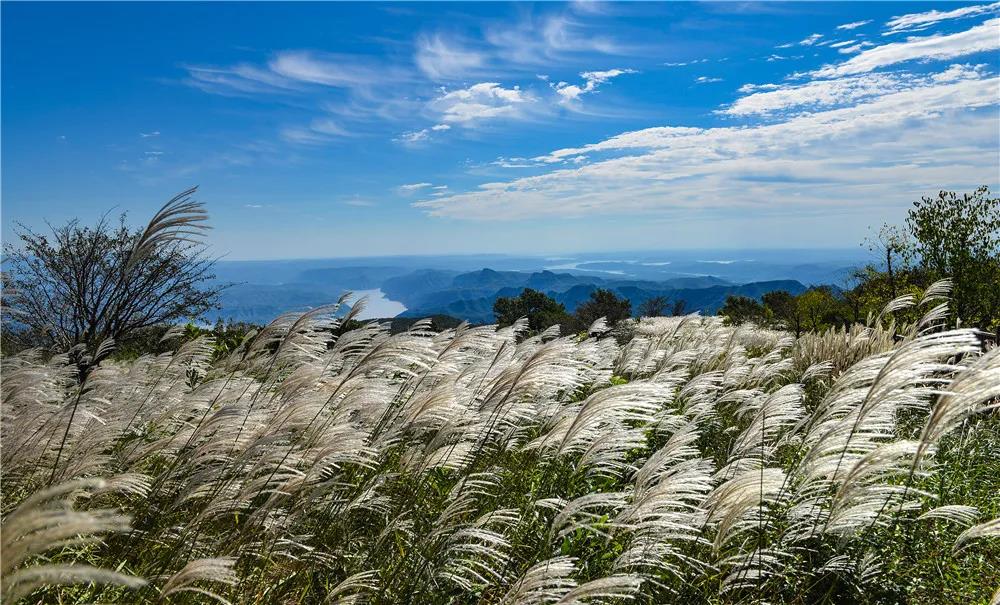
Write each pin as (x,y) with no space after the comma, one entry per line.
(378,305)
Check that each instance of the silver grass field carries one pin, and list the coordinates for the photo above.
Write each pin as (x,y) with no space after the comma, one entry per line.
(678,460)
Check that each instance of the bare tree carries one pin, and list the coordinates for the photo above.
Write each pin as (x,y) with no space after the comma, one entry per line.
(894,245)
(83,286)
(655,306)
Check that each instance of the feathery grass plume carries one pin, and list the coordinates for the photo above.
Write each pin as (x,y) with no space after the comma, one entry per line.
(974,390)
(421,466)
(624,587)
(353,588)
(899,303)
(217,570)
(543,583)
(46,521)
(989,529)
(182,219)
(588,513)
(736,504)
(772,415)
(956,513)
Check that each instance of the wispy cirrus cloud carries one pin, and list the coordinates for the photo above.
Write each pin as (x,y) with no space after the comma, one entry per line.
(774,98)
(341,71)
(921,21)
(411,187)
(444,59)
(422,135)
(810,40)
(853,25)
(981,38)
(549,39)
(854,47)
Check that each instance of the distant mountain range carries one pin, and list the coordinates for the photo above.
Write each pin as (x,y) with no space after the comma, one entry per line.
(466,287)
(471,295)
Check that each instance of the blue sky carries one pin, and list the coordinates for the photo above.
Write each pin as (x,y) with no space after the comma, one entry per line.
(319,130)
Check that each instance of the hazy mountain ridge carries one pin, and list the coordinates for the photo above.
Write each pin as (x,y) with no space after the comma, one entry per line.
(467,286)
(706,300)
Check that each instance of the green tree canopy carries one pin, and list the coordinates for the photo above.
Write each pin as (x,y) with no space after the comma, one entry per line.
(783,308)
(739,310)
(541,311)
(959,237)
(603,303)
(949,236)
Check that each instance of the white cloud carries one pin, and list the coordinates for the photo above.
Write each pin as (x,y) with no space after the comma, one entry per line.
(414,136)
(981,38)
(327,70)
(440,127)
(414,187)
(854,48)
(253,205)
(319,131)
(242,78)
(748,88)
(706,80)
(358,202)
(920,21)
(443,59)
(483,101)
(891,149)
(685,63)
(770,99)
(592,79)
(146,135)
(810,40)
(542,41)
(854,24)
(960,72)
(515,162)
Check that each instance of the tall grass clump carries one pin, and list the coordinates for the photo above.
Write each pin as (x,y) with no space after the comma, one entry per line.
(692,462)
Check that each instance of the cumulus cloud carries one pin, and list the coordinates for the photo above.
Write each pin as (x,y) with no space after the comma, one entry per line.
(828,158)
(706,80)
(981,38)
(479,102)
(592,79)
(810,40)
(921,21)
(854,24)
